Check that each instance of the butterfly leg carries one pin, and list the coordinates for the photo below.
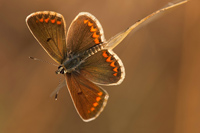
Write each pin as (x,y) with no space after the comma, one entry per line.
(60,86)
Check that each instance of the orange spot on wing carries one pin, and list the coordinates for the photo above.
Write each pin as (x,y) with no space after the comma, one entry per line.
(41,20)
(46,20)
(89,23)
(115,74)
(95,35)
(95,104)
(112,64)
(53,21)
(109,59)
(59,22)
(36,21)
(93,29)
(98,99)
(85,21)
(115,69)
(105,54)
(92,109)
(88,111)
(100,93)
(96,40)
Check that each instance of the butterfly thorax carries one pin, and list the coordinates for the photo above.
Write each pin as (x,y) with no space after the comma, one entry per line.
(69,65)
(73,61)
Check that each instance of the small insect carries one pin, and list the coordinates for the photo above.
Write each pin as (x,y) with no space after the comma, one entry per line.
(84,56)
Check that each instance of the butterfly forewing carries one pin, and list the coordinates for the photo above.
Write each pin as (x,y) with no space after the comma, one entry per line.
(88,98)
(84,32)
(104,68)
(49,29)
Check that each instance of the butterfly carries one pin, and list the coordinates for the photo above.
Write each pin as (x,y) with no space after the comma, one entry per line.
(84,56)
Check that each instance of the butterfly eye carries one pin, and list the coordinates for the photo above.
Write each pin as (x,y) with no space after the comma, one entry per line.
(62,71)
(59,67)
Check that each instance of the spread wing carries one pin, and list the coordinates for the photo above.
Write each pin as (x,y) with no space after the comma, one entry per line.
(84,32)
(88,98)
(49,30)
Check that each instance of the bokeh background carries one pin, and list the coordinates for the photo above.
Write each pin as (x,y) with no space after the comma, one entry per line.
(161,91)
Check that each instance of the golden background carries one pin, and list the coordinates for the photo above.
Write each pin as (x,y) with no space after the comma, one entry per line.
(161,91)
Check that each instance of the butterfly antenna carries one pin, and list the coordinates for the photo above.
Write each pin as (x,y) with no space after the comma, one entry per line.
(33,58)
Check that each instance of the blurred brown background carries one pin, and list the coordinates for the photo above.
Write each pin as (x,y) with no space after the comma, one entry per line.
(161,91)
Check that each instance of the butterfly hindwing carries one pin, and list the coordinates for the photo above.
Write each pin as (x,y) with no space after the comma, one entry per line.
(88,98)
(104,68)
(49,30)
(84,32)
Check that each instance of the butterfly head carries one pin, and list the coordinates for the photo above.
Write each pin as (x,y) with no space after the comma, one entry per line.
(61,70)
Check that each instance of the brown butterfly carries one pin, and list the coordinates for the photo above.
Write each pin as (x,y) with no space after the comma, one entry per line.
(84,56)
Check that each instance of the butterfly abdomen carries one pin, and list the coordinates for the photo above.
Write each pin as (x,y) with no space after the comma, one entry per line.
(91,51)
